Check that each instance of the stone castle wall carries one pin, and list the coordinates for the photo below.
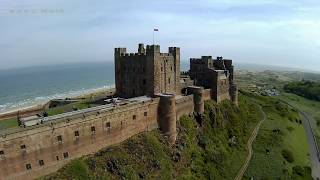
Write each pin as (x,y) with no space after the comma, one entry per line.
(35,145)
(184,105)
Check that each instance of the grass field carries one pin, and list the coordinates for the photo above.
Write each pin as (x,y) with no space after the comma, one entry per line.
(69,108)
(281,132)
(8,123)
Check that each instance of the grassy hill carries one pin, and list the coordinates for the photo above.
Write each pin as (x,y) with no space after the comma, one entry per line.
(281,149)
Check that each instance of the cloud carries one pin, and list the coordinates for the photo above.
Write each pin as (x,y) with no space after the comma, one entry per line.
(265,31)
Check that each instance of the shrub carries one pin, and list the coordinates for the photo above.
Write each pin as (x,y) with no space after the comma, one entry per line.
(290,129)
(287,155)
(301,171)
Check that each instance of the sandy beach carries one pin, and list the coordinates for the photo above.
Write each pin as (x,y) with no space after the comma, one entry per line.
(37,108)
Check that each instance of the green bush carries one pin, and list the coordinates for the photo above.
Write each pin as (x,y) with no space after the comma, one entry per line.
(289,128)
(287,155)
(304,172)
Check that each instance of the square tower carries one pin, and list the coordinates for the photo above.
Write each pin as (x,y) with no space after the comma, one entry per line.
(147,72)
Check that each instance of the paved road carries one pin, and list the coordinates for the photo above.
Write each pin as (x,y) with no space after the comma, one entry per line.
(313,148)
(249,147)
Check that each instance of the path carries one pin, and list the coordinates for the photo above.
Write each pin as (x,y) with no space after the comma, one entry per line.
(249,147)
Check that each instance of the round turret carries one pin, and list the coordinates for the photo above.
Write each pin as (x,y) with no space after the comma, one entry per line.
(197,98)
(167,116)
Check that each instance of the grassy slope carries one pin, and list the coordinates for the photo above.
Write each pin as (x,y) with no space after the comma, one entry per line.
(308,106)
(203,149)
(281,131)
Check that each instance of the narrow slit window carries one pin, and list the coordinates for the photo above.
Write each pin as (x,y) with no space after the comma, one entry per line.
(59,138)
(28,166)
(66,155)
(41,162)
(23,146)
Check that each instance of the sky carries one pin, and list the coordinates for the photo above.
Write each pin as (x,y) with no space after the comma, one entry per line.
(273,32)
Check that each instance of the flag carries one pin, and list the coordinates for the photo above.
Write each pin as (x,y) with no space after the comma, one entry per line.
(155,29)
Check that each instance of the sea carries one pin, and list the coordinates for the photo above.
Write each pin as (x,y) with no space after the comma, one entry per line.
(30,86)
(25,87)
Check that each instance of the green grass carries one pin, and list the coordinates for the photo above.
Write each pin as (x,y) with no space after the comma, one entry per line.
(69,108)
(310,107)
(203,149)
(274,137)
(8,123)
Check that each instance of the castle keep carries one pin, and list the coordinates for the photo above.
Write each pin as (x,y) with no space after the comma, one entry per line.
(151,93)
(147,72)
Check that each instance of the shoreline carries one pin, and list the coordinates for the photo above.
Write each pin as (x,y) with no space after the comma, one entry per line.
(38,106)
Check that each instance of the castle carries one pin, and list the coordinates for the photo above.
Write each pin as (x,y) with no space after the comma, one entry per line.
(152,92)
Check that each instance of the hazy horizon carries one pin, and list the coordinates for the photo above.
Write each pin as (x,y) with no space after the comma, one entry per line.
(265,32)
(184,66)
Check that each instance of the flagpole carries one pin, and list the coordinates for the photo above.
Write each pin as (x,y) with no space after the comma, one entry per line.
(153,36)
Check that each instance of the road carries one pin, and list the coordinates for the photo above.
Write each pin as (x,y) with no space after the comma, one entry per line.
(249,147)
(313,148)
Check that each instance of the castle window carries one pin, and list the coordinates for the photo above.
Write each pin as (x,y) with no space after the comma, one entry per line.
(93,129)
(66,155)
(57,157)
(144,81)
(41,162)
(76,133)
(161,68)
(59,138)
(23,146)
(171,68)
(1,153)
(134,117)
(145,113)
(169,80)
(108,125)
(28,166)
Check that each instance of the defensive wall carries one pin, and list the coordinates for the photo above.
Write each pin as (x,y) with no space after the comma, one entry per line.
(27,153)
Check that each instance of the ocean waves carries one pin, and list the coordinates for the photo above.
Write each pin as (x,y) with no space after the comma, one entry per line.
(41,100)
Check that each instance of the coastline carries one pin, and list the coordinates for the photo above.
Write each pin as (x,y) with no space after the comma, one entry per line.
(38,106)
